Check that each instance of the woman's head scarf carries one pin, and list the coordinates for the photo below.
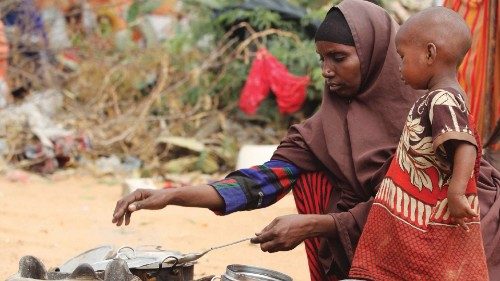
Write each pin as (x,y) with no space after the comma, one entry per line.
(353,138)
(334,28)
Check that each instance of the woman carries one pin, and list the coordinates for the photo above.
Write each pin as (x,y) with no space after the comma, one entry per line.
(333,161)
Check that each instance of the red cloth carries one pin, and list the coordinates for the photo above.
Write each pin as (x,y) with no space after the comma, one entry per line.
(409,234)
(474,73)
(267,73)
(413,260)
(312,196)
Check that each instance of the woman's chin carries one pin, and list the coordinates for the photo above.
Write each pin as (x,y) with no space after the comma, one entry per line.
(342,93)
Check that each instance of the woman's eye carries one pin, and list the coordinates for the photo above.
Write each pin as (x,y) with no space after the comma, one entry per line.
(339,57)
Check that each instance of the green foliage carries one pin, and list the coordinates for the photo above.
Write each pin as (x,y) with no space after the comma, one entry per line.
(259,18)
(229,86)
(212,4)
(141,7)
(315,4)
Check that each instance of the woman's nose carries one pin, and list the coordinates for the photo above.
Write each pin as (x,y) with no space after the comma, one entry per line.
(327,72)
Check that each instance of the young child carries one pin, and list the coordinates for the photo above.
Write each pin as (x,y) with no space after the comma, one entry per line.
(424,222)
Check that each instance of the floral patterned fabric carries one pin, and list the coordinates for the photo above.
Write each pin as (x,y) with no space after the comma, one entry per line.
(408,234)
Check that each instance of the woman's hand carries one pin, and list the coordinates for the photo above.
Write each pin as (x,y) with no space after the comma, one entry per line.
(149,199)
(286,232)
(202,196)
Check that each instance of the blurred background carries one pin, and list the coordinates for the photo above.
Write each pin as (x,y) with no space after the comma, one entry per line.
(155,87)
(93,92)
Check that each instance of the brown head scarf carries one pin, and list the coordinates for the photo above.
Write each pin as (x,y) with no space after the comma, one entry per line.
(353,139)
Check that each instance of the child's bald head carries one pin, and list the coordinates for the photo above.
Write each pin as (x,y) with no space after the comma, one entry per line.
(442,27)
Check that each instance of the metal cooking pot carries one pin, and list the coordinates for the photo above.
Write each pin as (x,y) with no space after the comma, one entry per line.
(166,271)
(153,264)
(149,263)
(237,272)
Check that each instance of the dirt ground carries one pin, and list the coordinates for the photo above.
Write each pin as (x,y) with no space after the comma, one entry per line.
(56,219)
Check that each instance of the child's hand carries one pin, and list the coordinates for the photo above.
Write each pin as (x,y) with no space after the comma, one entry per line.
(460,210)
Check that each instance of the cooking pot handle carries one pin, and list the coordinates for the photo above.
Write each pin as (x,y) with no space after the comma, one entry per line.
(215,278)
(119,252)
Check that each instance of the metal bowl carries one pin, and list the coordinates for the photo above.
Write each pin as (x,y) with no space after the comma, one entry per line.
(237,272)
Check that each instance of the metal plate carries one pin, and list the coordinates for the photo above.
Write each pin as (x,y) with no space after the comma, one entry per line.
(91,256)
(237,272)
(131,263)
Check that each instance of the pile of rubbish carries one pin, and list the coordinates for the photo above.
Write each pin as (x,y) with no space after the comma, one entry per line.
(118,103)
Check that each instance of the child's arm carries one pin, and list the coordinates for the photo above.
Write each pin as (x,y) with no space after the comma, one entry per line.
(463,164)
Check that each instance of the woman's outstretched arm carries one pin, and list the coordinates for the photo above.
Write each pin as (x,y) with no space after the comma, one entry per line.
(202,196)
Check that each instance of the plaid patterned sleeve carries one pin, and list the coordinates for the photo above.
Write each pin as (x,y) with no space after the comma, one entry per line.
(256,187)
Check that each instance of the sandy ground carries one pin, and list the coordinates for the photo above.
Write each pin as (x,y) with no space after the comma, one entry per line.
(56,219)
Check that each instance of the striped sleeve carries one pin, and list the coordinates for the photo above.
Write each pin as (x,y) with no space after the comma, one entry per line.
(256,187)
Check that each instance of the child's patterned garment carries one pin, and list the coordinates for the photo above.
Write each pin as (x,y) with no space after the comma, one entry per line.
(408,235)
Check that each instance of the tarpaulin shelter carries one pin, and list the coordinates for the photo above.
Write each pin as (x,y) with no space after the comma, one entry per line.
(25,24)
(480,71)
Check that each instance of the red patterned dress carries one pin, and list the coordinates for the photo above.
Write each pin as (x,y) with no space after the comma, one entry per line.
(408,235)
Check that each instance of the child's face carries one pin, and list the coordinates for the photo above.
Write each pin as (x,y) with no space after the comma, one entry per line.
(413,66)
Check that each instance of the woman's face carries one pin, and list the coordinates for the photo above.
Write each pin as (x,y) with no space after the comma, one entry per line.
(341,68)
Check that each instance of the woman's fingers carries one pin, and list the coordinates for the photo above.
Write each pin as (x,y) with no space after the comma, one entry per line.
(270,247)
(277,243)
(140,199)
(263,237)
(118,221)
(283,233)
(150,203)
(269,241)
(122,210)
(277,236)
(127,217)
(265,234)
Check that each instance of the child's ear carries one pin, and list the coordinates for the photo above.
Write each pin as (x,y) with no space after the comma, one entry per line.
(431,53)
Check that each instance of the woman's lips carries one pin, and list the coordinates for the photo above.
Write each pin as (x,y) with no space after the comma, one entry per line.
(334,86)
